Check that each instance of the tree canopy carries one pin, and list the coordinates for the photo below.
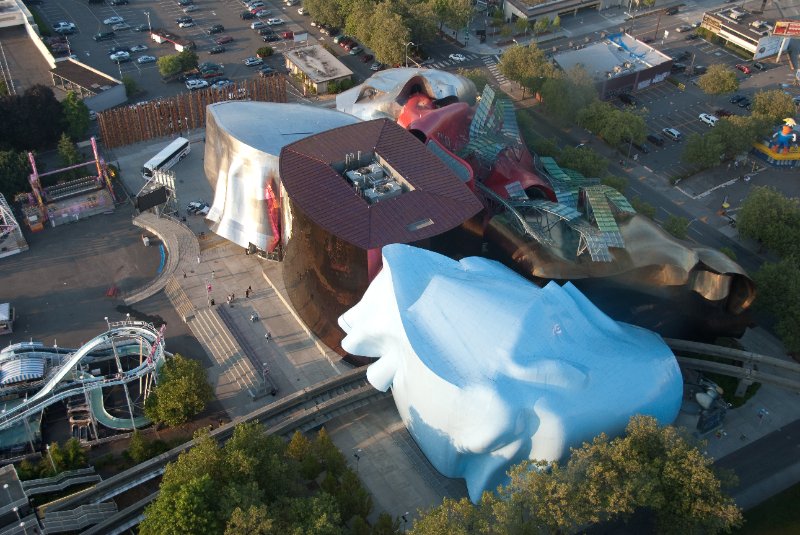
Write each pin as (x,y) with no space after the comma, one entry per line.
(76,116)
(773,105)
(650,468)
(256,483)
(771,218)
(779,295)
(181,393)
(615,126)
(14,171)
(526,65)
(718,79)
(564,95)
(32,120)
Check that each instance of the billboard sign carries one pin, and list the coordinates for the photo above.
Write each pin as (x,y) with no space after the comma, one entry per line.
(787,28)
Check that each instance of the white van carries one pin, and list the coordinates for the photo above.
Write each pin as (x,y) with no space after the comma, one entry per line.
(710,120)
(671,133)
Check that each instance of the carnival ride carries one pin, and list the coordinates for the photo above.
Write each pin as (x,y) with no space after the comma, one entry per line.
(66,201)
(782,148)
(11,239)
(33,377)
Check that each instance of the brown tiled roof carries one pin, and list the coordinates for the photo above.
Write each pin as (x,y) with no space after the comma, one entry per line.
(84,76)
(326,197)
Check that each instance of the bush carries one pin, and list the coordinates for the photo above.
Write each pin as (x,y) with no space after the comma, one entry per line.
(265,52)
(131,87)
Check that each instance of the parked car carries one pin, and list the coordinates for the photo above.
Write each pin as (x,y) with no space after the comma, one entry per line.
(275,22)
(271,38)
(678,67)
(457,57)
(302,11)
(683,28)
(707,118)
(138,48)
(655,140)
(264,13)
(216,28)
(187,24)
(103,36)
(760,66)
(190,9)
(699,69)
(736,98)
(221,84)
(113,20)
(266,71)
(366,58)
(223,39)
(219,49)
(627,98)
(745,103)
(265,31)
(246,15)
(692,36)
(141,28)
(120,57)
(63,26)
(672,134)
(354,51)
(184,3)
(377,66)
(192,85)
(209,66)
(145,59)
(682,55)
(183,19)
(287,35)
(121,26)
(346,41)
(339,38)
(671,11)
(257,25)
(744,68)
(722,112)
(257,10)
(119,48)
(252,61)
(118,2)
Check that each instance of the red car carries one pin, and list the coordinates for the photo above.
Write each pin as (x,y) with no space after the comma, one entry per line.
(344,42)
(744,68)
(223,39)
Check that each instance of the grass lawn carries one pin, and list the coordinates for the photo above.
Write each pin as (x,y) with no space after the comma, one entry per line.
(777,516)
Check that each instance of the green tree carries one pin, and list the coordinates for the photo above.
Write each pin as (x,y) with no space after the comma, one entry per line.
(718,79)
(521,25)
(188,60)
(3,88)
(131,87)
(677,226)
(254,521)
(585,160)
(619,183)
(14,171)
(612,124)
(187,508)
(137,448)
(181,393)
(556,22)
(476,76)
(564,96)
(779,295)
(546,146)
(67,152)
(737,134)
(70,456)
(76,116)
(359,19)
(773,105)
(771,218)
(169,65)
(388,35)
(526,65)
(704,150)
(326,11)
(541,25)
(643,207)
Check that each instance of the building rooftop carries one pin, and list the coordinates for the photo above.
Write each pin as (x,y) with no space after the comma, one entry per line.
(742,21)
(415,196)
(617,55)
(84,76)
(317,63)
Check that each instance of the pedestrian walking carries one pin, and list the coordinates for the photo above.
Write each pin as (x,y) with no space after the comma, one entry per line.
(198,259)
(212,274)
(268,336)
(247,292)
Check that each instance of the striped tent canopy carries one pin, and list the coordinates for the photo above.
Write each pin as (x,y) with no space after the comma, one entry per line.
(19,370)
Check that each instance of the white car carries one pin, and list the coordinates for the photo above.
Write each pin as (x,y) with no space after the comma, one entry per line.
(257,25)
(138,48)
(275,22)
(113,20)
(190,9)
(121,26)
(710,120)
(63,26)
(457,57)
(186,24)
(191,85)
(252,61)
(120,56)
(145,59)
(301,11)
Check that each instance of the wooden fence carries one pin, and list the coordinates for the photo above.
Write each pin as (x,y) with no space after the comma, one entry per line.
(178,114)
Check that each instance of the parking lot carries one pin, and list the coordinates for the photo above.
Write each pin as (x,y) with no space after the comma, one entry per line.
(163,14)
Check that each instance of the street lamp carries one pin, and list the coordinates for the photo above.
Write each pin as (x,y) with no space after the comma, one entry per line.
(408,43)
(405,520)
(149,28)
(5,486)
(52,463)
(358,458)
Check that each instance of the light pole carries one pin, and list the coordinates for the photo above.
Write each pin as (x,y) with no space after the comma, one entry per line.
(107,323)
(357,455)
(149,28)
(52,463)
(8,492)
(405,520)
(408,43)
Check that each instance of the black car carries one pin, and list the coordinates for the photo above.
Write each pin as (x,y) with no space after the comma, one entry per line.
(265,31)
(65,31)
(683,55)
(628,99)
(103,36)
(699,69)
(333,32)
(266,71)
(141,28)
(692,36)
(745,103)
(672,11)
(760,66)
(655,140)
(678,67)
(271,38)
(246,15)
(115,49)
(184,3)
(217,28)
(183,19)
(118,2)
(219,49)
(736,98)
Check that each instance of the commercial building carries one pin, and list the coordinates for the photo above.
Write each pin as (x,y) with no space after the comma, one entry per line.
(317,67)
(619,63)
(98,90)
(746,31)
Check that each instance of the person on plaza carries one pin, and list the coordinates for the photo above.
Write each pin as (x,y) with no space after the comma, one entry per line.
(268,336)
(247,292)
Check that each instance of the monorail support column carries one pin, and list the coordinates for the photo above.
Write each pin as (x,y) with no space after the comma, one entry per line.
(744,382)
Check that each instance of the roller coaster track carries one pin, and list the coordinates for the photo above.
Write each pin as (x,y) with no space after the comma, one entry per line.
(306,408)
(686,351)
(56,388)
